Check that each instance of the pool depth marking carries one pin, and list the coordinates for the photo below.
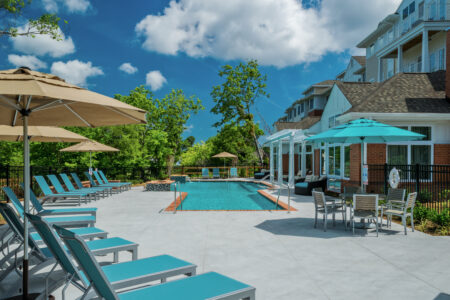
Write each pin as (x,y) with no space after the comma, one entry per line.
(175,204)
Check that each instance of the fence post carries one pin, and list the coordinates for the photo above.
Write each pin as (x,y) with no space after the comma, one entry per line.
(385,178)
(417,178)
(7,175)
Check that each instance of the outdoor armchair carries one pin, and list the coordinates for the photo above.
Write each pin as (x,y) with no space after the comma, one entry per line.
(365,206)
(206,286)
(121,275)
(403,210)
(58,211)
(324,207)
(394,196)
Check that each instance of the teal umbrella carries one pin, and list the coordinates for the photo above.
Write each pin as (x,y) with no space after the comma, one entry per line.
(365,131)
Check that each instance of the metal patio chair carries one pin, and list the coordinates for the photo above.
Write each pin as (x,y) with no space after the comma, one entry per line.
(365,207)
(394,196)
(326,208)
(403,210)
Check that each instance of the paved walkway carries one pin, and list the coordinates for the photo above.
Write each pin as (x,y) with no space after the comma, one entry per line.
(281,254)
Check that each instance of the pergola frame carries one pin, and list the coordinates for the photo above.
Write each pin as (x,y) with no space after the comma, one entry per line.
(290,137)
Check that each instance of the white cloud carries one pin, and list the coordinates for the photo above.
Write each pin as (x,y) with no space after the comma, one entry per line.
(75,71)
(43,44)
(128,68)
(29,61)
(188,128)
(73,6)
(155,80)
(276,32)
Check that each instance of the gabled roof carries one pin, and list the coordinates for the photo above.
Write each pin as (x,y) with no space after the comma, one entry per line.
(361,60)
(356,92)
(305,123)
(405,93)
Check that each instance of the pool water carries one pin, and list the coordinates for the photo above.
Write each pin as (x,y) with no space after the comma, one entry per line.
(225,196)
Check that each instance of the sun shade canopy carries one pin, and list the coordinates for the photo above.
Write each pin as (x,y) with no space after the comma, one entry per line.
(225,155)
(89,146)
(50,101)
(40,134)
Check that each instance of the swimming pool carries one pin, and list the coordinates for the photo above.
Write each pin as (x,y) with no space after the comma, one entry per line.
(231,195)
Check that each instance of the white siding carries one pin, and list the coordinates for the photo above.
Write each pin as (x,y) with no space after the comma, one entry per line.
(337,104)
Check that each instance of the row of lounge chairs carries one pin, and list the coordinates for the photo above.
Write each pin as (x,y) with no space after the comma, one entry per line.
(68,238)
(216,173)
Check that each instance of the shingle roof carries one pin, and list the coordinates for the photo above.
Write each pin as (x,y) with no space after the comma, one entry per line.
(406,92)
(361,60)
(356,92)
(305,123)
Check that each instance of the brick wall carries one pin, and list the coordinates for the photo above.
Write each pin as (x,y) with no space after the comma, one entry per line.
(355,162)
(316,162)
(442,154)
(376,154)
(286,163)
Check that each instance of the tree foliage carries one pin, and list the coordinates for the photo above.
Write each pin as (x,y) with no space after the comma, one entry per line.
(234,98)
(11,11)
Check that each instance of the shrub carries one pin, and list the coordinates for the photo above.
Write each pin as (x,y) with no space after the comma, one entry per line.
(421,213)
(442,219)
(424,196)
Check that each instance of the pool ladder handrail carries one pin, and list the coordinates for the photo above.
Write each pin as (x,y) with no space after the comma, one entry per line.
(176,184)
(281,186)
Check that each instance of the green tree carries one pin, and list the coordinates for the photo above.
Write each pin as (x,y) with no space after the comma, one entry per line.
(198,154)
(12,10)
(234,98)
(187,143)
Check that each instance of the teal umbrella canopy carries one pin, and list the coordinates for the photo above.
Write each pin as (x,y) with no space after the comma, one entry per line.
(365,131)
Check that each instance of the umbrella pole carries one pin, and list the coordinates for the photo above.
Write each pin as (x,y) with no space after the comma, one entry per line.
(362,164)
(26,175)
(90,160)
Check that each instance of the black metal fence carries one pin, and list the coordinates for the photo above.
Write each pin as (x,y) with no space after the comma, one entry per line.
(431,182)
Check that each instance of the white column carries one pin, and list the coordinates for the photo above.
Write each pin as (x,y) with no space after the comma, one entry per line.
(399,58)
(303,158)
(425,56)
(379,69)
(280,162)
(291,161)
(271,163)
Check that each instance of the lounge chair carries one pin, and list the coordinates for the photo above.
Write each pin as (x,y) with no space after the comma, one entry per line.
(71,188)
(59,188)
(41,257)
(205,172)
(310,182)
(80,184)
(59,211)
(105,180)
(260,175)
(120,185)
(115,189)
(216,173)
(233,172)
(205,286)
(121,275)
(74,221)
(46,190)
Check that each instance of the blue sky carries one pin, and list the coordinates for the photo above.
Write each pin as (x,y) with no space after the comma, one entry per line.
(183,44)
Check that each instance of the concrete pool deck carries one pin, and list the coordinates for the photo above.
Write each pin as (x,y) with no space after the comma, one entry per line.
(279,253)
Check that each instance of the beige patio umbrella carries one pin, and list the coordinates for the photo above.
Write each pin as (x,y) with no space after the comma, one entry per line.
(90,146)
(39,99)
(40,134)
(225,155)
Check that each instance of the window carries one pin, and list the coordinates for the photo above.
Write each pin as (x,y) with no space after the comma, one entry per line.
(432,11)
(433,62)
(347,161)
(442,8)
(295,112)
(311,104)
(419,63)
(412,7)
(323,154)
(309,158)
(302,107)
(332,121)
(421,10)
(334,160)
(298,110)
(421,154)
(405,13)
(442,59)
(397,154)
(425,130)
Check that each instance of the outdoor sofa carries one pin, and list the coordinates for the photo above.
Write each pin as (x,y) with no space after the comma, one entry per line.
(261,174)
(306,185)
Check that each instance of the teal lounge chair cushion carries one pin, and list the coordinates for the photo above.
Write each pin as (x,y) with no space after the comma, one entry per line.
(259,173)
(108,243)
(200,287)
(142,267)
(70,219)
(302,184)
(69,210)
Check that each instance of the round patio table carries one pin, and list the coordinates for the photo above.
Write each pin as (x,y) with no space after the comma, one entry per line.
(362,224)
